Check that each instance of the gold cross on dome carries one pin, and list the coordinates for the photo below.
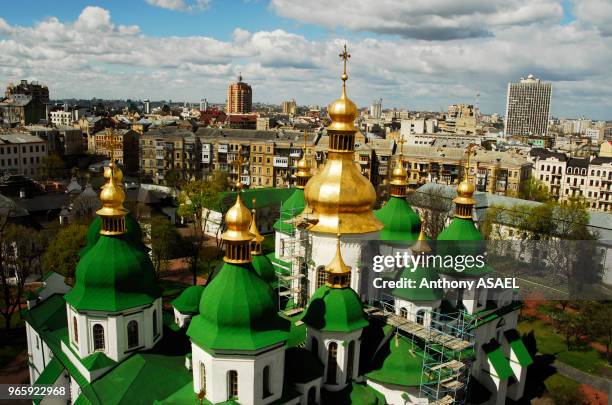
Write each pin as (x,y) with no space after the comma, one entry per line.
(345,57)
(401,142)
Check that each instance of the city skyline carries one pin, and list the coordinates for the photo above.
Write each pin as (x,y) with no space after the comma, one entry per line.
(188,50)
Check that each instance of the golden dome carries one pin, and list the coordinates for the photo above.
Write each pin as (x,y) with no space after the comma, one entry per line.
(238,221)
(338,273)
(343,113)
(340,197)
(421,245)
(112,197)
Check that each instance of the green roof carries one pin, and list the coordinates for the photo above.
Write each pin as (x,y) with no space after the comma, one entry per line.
(97,361)
(113,276)
(500,363)
(237,312)
(142,378)
(461,238)
(354,394)
(265,269)
(292,207)
(402,364)
(400,221)
(265,197)
(487,316)
(460,229)
(188,302)
(518,347)
(419,293)
(335,310)
(51,373)
(133,233)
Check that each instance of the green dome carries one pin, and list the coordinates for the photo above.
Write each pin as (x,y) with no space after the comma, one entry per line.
(400,221)
(401,364)
(237,312)
(133,233)
(419,294)
(335,310)
(265,269)
(291,208)
(188,301)
(460,238)
(113,276)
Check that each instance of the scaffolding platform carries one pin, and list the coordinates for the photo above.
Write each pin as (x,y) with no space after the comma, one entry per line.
(447,400)
(420,331)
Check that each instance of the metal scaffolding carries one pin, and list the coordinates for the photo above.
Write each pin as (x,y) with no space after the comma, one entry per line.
(447,345)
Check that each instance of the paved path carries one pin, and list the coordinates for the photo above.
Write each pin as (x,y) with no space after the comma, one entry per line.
(599,383)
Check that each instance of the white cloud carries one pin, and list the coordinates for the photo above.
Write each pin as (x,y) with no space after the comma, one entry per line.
(597,13)
(92,57)
(421,19)
(180,5)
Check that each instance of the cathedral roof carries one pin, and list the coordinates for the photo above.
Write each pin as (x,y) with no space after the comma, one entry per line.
(113,276)
(420,293)
(400,221)
(265,269)
(133,234)
(335,310)
(188,302)
(237,312)
(290,208)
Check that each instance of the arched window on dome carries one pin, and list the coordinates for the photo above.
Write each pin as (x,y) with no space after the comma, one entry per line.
(75,330)
(232,384)
(267,391)
(351,361)
(332,362)
(321,276)
(132,333)
(98,337)
(154,322)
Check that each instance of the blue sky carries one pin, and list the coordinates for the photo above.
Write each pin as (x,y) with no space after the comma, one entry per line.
(421,55)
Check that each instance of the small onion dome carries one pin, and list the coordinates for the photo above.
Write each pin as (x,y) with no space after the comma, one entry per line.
(335,310)
(113,276)
(303,172)
(464,202)
(421,246)
(342,112)
(112,195)
(188,301)
(338,273)
(257,239)
(238,220)
(237,312)
(462,238)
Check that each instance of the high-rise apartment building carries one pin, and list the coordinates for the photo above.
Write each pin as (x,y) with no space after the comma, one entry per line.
(289,107)
(239,97)
(34,90)
(376,109)
(527,107)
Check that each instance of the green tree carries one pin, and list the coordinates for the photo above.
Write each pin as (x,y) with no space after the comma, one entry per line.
(598,325)
(534,190)
(52,167)
(194,197)
(20,252)
(62,254)
(164,240)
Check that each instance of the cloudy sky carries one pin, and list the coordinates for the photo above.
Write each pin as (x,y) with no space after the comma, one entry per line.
(417,54)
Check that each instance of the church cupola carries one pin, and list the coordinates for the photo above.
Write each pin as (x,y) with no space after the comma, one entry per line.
(303,167)
(237,237)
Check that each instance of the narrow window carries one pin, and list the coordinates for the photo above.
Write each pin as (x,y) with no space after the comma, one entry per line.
(232,384)
(132,332)
(332,364)
(321,276)
(154,322)
(98,337)
(202,377)
(75,330)
(351,359)
(266,382)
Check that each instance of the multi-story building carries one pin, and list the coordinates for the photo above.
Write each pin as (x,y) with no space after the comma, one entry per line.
(527,107)
(21,153)
(125,143)
(61,117)
(549,168)
(289,107)
(239,98)
(493,171)
(599,184)
(460,119)
(33,89)
(21,109)
(169,151)
(63,140)
(575,179)
(376,109)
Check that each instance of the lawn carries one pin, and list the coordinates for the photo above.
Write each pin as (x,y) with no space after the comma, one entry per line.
(586,359)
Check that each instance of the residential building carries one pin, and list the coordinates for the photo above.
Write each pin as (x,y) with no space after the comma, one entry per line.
(21,109)
(239,97)
(33,89)
(21,153)
(169,151)
(61,117)
(460,119)
(125,143)
(549,168)
(528,107)
(376,109)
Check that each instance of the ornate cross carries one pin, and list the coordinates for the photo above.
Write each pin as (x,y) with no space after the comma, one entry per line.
(345,57)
